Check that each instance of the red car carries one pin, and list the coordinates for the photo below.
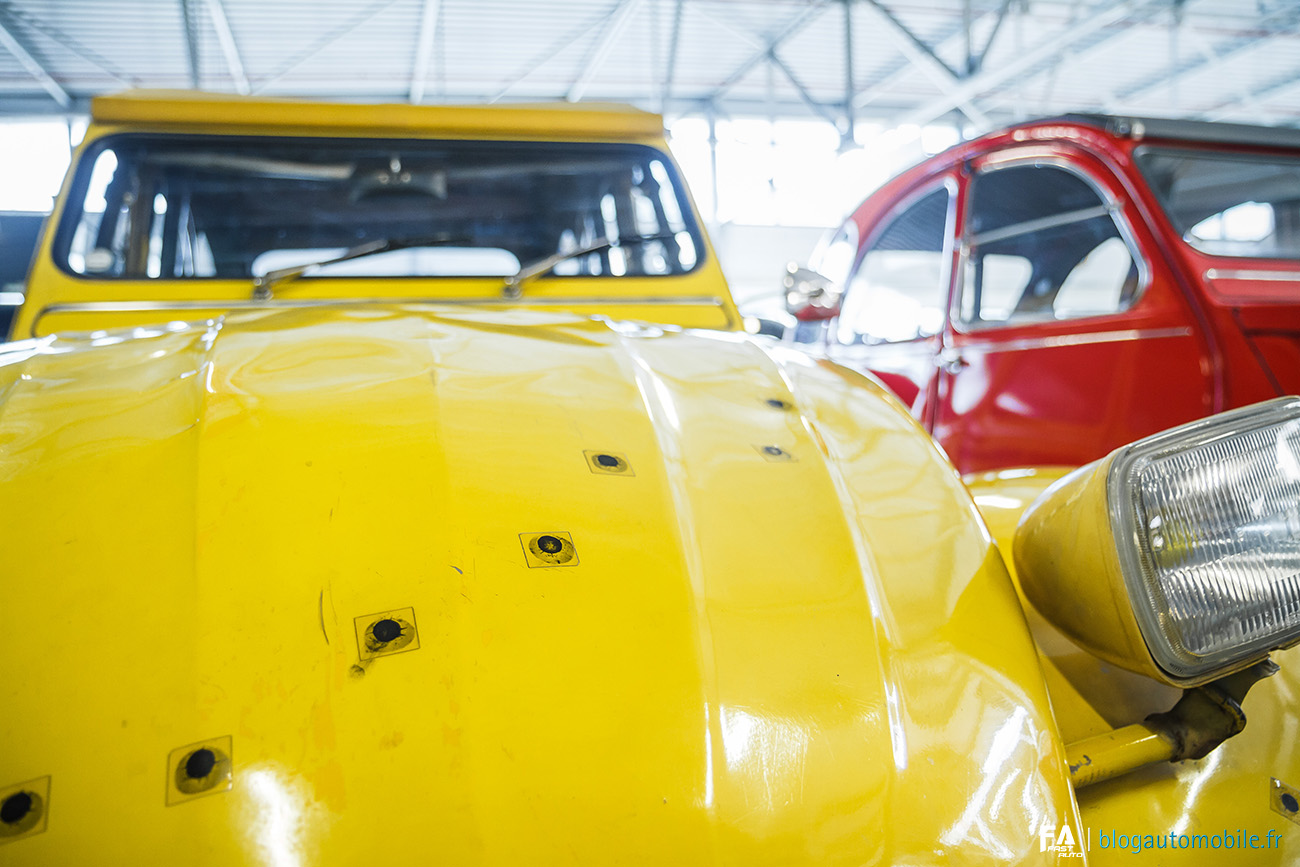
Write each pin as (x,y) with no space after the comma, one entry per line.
(1044,294)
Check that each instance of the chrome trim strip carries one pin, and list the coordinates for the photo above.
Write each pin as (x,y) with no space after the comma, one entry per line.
(1028,226)
(1231,274)
(1077,339)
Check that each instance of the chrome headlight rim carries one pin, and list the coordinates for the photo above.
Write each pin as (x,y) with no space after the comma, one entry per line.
(1130,529)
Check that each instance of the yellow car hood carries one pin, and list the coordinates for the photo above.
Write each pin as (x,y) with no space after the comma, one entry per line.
(782,635)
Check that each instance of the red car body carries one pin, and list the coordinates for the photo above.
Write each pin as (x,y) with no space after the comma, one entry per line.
(1060,288)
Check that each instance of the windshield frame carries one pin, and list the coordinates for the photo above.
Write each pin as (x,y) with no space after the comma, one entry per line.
(82,170)
(1191,150)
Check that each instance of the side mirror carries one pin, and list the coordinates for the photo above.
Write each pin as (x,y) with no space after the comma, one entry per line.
(809,296)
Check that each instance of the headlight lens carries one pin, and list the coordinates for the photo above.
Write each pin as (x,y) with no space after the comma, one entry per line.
(1207,521)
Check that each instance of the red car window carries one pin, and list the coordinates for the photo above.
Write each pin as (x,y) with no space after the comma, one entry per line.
(900,288)
(1043,246)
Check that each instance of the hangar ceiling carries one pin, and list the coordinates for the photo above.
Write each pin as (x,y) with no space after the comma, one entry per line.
(979,62)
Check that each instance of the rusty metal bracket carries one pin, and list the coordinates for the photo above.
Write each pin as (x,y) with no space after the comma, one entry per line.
(1203,718)
(1208,715)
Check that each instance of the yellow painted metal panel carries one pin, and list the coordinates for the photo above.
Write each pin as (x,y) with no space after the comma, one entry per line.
(157,109)
(813,660)
(84,316)
(1069,570)
(1227,791)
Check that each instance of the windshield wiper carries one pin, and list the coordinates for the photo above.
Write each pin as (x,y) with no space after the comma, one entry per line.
(514,286)
(264,286)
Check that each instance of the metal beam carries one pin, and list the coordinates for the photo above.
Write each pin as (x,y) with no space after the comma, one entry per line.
(1086,57)
(1285,84)
(1214,58)
(13,105)
(924,58)
(557,47)
(674,41)
(714,186)
(889,83)
(324,42)
(801,21)
(1285,18)
(1052,73)
(191,43)
(1046,50)
(229,48)
(903,35)
(847,139)
(801,90)
(1175,50)
(978,62)
(15,46)
(967,20)
(615,24)
(754,40)
(424,49)
(11,18)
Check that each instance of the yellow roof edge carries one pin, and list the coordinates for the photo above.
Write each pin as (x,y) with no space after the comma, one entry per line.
(198,108)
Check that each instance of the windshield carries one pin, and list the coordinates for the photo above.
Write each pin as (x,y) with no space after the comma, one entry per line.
(190,207)
(1228,204)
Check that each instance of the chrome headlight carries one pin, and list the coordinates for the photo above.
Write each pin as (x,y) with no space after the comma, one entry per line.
(1177,556)
(1206,518)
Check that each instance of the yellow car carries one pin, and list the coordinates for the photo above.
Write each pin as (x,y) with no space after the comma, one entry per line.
(394,484)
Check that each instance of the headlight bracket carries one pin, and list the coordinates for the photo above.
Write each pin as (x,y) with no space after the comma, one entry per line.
(1204,717)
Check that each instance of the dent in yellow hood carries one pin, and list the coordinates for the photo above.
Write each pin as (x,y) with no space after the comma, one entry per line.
(784,638)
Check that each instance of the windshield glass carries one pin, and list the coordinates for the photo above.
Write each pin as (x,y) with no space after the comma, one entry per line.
(187,207)
(1229,204)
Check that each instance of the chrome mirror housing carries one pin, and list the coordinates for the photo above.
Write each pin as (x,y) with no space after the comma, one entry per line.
(810,296)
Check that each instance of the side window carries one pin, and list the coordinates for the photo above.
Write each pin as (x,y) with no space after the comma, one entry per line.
(899,291)
(1043,246)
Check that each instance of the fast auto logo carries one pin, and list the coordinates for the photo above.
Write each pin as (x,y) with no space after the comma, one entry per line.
(1061,842)
(1065,842)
